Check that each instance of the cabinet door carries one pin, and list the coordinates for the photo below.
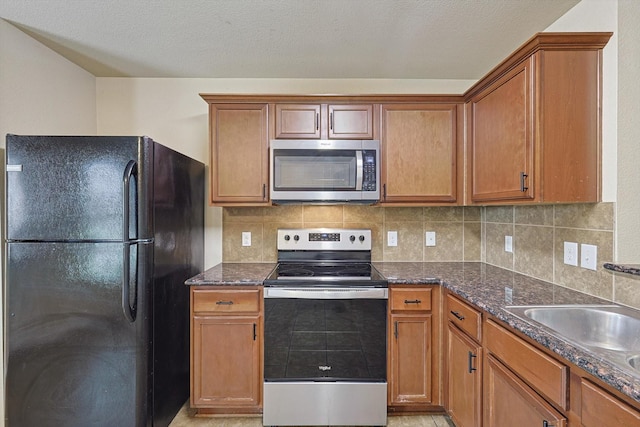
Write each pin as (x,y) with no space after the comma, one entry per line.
(239,153)
(226,362)
(502,137)
(410,359)
(351,121)
(508,401)
(419,153)
(601,409)
(298,121)
(464,379)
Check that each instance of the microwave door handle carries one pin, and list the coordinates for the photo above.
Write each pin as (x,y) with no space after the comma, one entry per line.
(359,170)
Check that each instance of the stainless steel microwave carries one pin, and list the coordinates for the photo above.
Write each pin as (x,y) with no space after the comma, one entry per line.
(324,171)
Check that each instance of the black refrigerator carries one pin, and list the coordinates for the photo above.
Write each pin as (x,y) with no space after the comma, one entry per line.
(101,233)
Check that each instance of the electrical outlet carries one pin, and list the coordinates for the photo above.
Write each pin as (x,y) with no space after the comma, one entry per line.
(508,243)
(508,295)
(246,238)
(589,256)
(392,238)
(571,253)
(430,238)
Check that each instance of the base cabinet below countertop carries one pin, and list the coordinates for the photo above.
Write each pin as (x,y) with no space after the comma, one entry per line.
(226,349)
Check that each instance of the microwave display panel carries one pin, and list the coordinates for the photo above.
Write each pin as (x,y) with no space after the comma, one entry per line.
(297,170)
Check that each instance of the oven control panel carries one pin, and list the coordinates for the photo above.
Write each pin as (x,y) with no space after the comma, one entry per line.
(324,239)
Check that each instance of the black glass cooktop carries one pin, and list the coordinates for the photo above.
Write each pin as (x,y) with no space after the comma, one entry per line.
(295,273)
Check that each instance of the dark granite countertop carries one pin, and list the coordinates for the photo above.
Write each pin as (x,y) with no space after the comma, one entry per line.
(233,274)
(480,284)
(633,269)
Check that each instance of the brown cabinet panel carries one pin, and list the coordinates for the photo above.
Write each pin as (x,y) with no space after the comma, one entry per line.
(351,121)
(534,123)
(502,137)
(601,409)
(464,378)
(410,354)
(226,362)
(298,121)
(541,371)
(319,121)
(419,153)
(465,317)
(221,301)
(509,402)
(239,153)
(226,350)
(408,299)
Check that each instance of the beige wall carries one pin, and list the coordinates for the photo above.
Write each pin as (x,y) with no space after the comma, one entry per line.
(40,93)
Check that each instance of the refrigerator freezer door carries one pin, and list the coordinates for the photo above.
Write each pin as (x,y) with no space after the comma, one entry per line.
(73,359)
(71,188)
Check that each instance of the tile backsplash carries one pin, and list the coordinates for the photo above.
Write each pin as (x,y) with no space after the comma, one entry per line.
(458,230)
(462,234)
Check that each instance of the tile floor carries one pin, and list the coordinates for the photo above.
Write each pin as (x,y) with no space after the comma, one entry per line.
(183,419)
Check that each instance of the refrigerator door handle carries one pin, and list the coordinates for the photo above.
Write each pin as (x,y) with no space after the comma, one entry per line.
(128,309)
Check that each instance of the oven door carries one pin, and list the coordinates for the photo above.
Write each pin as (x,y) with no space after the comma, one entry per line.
(325,356)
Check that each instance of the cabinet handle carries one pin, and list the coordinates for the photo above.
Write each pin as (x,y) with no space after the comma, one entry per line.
(264,191)
(255,335)
(395,329)
(412,301)
(471,357)
(545,423)
(384,191)
(317,121)
(457,315)
(224,302)
(331,121)
(523,176)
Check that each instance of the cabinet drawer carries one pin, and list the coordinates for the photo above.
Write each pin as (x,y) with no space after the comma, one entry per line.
(411,299)
(465,317)
(222,301)
(600,409)
(539,370)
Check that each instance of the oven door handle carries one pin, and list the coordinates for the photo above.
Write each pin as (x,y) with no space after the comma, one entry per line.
(327,293)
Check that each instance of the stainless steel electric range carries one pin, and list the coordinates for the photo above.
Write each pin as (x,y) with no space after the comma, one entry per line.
(325,353)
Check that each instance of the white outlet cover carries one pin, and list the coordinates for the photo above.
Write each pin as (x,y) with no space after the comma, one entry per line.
(589,256)
(571,253)
(246,238)
(508,243)
(430,238)
(392,238)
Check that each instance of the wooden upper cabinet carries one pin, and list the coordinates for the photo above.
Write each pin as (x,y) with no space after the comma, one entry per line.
(534,123)
(324,121)
(502,137)
(351,121)
(239,154)
(420,153)
(298,121)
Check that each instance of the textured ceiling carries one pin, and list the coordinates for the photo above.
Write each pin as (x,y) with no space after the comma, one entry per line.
(403,39)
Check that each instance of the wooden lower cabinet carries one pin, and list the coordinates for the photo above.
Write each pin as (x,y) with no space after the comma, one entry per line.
(508,401)
(226,348)
(414,349)
(464,378)
(411,355)
(602,409)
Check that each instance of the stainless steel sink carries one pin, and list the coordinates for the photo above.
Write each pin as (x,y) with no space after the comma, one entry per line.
(610,331)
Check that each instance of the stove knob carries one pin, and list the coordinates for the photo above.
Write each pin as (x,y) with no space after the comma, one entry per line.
(352,238)
(296,237)
(361,238)
(286,238)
